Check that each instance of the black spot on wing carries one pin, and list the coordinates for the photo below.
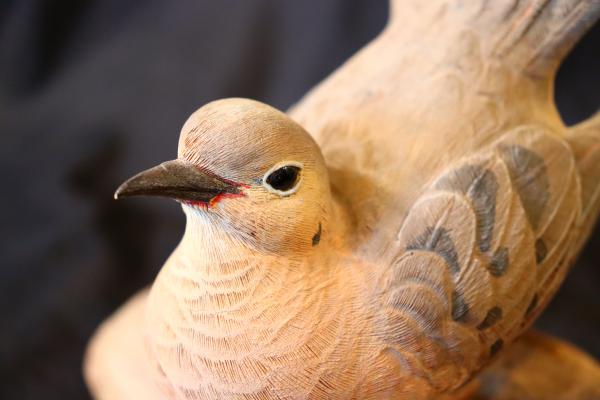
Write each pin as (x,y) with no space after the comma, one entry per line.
(528,173)
(438,240)
(481,186)
(496,347)
(460,308)
(499,262)
(317,236)
(492,316)
(541,251)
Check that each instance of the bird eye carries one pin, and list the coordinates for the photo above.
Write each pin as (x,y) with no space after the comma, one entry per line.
(283,180)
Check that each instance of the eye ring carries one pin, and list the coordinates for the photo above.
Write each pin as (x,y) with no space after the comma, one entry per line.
(283,178)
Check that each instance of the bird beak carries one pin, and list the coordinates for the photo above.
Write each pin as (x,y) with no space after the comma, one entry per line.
(179,180)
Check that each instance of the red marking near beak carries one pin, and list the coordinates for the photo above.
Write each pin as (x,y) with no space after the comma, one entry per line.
(222,196)
(205,205)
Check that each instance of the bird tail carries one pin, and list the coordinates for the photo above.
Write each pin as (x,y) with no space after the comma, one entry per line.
(584,140)
(532,35)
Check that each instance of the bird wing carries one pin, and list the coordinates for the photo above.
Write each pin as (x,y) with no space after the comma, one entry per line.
(116,366)
(480,253)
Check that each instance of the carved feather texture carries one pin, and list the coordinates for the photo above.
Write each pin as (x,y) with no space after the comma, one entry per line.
(481,252)
(441,203)
(478,255)
(252,327)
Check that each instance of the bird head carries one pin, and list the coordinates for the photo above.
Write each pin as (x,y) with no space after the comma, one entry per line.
(248,169)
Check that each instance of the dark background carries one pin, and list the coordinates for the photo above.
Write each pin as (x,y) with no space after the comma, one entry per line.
(93,91)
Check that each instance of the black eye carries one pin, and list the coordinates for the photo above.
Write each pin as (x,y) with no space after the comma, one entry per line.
(284,178)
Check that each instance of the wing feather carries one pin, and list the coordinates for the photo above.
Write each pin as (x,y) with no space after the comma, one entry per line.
(481,252)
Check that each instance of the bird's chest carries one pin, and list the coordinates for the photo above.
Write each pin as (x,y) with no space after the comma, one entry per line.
(255,330)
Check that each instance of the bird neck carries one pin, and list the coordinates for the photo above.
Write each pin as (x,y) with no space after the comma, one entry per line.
(208,245)
(212,255)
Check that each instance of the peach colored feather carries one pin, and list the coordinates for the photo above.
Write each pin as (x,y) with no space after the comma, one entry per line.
(439,203)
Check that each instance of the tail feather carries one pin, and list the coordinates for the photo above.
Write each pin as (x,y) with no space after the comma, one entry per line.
(542,32)
(533,35)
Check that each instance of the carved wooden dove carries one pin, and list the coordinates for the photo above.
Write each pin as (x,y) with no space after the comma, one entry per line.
(404,223)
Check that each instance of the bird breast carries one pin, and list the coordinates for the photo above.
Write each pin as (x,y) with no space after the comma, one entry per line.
(255,325)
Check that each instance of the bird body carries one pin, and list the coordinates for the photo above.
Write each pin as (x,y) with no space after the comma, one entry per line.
(420,227)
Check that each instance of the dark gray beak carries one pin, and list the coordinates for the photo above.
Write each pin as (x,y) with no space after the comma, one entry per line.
(179,180)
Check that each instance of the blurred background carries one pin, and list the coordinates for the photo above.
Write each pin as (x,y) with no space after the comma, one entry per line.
(93,91)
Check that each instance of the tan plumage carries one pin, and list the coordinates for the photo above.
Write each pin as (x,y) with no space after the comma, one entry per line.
(439,204)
